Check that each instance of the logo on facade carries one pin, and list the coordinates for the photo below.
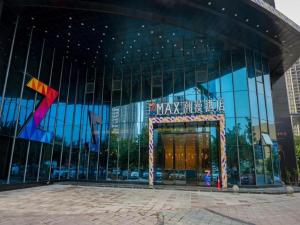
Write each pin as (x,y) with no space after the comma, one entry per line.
(31,130)
(208,106)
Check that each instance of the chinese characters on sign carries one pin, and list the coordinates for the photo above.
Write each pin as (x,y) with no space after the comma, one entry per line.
(208,106)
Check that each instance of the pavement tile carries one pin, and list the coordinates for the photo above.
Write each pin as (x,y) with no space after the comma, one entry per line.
(68,204)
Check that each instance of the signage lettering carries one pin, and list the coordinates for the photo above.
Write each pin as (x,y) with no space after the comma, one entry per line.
(208,106)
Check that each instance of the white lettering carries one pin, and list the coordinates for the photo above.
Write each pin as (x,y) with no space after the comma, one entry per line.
(188,107)
(220,105)
(208,106)
(160,109)
(168,109)
(198,107)
(176,107)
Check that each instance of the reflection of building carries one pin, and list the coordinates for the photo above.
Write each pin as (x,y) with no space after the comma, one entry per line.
(115,60)
(292,77)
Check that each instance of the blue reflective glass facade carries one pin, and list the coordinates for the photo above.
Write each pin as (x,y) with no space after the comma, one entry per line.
(131,63)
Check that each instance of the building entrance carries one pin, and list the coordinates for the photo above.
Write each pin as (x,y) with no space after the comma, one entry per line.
(187,154)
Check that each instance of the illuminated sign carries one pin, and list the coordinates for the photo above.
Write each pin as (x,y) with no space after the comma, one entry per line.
(30,130)
(208,106)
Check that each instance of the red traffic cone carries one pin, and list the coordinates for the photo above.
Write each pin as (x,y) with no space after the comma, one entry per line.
(218,184)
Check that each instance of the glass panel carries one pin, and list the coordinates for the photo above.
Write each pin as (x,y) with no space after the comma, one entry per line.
(256,130)
(144,150)
(205,175)
(226,73)
(231,131)
(167,141)
(179,152)
(232,164)
(246,165)
(259,162)
(214,151)
(276,164)
(253,104)
(262,107)
(268,165)
(241,104)
(251,72)
(229,104)
(213,79)
(266,76)
(239,71)
(190,148)
(272,130)
(264,126)
(270,108)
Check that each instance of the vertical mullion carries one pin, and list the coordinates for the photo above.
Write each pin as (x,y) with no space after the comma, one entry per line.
(73,121)
(56,115)
(34,103)
(235,122)
(253,148)
(130,122)
(19,106)
(109,130)
(120,127)
(50,83)
(7,114)
(80,132)
(259,117)
(85,134)
(9,64)
(140,119)
(93,109)
(101,125)
(64,121)
(267,115)
(28,147)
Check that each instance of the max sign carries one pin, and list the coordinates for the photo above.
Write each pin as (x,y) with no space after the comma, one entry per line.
(208,106)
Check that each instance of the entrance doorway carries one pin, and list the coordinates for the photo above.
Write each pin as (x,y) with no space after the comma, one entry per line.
(187,154)
(187,158)
(187,150)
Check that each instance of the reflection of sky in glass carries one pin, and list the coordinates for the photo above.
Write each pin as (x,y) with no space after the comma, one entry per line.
(63,124)
(233,86)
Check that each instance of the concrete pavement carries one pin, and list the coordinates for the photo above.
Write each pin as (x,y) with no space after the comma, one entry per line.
(68,204)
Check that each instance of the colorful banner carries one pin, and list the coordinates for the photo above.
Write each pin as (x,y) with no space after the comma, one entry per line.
(30,130)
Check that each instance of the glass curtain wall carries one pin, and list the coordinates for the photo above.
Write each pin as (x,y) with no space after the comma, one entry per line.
(152,62)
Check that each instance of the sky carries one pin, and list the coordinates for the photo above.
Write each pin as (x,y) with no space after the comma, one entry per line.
(290,8)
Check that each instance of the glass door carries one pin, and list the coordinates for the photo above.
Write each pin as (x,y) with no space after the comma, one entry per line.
(191,159)
(187,156)
(168,141)
(204,165)
(179,173)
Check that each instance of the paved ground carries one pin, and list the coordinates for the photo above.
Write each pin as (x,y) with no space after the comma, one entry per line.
(67,204)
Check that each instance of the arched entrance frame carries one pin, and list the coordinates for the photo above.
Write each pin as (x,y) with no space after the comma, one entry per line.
(188,119)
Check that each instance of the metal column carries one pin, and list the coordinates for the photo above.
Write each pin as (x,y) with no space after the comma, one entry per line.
(55,120)
(8,65)
(35,99)
(42,145)
(19,106)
